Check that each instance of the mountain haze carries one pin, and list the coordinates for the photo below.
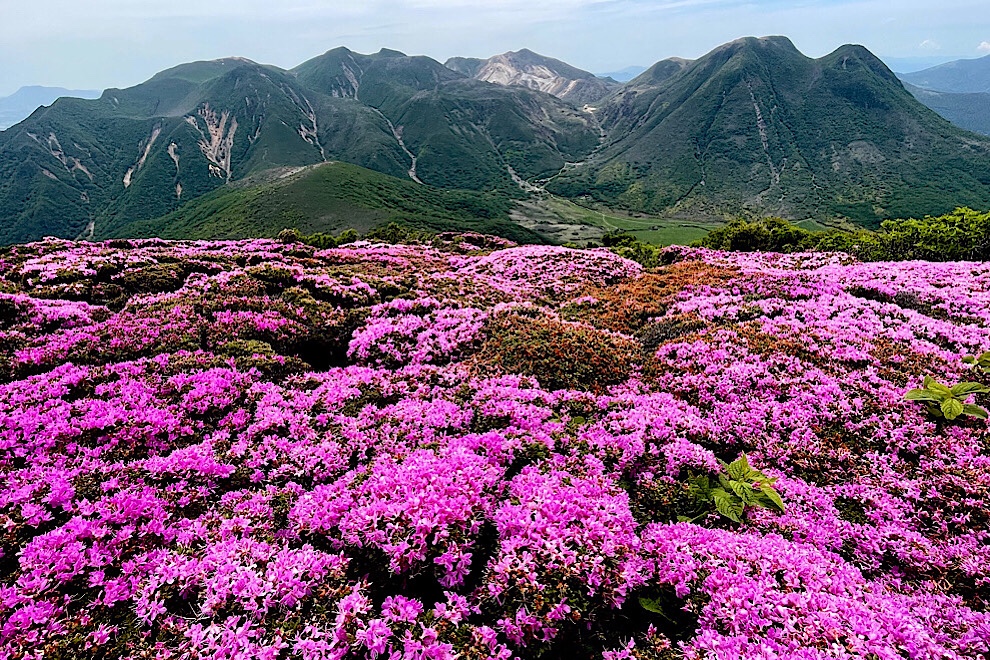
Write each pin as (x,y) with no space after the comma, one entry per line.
(623,75)
(960,76)
(966,110)
(19,105)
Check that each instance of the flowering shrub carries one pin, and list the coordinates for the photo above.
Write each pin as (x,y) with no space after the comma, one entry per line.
(262,449)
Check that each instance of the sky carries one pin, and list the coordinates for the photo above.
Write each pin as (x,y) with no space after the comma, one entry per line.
(94,44)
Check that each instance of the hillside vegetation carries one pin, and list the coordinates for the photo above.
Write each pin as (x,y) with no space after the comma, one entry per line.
(330,198)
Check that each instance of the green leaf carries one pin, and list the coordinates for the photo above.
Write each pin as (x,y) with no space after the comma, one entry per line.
(742,489)
(728,505)
(700,487)
(650,605)
(938,389)
(772,495)
(952,408)
(739,468)
(921,395)
(969,359)
(962,389)
(974,411)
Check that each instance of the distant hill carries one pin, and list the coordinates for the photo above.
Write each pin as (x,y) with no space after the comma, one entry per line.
(623,75)
(755,127)
(960,76)
(19,105)
(970,111)
(328,198)
(528,69)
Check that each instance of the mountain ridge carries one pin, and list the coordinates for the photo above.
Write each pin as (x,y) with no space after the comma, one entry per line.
(753,128)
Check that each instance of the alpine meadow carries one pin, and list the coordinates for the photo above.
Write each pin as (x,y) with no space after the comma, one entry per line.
(490,357)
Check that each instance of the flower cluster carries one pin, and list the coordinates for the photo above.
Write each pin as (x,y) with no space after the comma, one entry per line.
(474,450)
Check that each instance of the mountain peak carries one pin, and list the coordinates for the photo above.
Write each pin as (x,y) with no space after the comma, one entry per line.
(203,70)
(762,48)
(849,56)
(757,127)
(525,68)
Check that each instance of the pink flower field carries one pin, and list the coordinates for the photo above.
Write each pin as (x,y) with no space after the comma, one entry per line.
(475,450)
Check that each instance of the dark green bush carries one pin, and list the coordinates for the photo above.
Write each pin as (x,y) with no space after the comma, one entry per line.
(763,235)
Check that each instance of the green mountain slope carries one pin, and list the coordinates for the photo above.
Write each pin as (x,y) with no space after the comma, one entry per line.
(142,152)
(961,76)
(970,111)
(463,133)
(756,127)
(328,198)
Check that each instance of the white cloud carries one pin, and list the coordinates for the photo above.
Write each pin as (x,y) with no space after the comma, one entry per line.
(930,44)
(984,47)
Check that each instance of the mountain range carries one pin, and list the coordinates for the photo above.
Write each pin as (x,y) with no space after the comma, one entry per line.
(23,102)
(752,128)
(959,91)
(960,76)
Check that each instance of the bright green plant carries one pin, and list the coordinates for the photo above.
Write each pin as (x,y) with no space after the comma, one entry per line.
(981,362)
(948,402)
(739,487)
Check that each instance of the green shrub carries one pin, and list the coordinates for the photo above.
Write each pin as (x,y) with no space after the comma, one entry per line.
(739,487)
(247,348)
(980,363)
(289,236)
(948,403)
(764,235)
(158,278)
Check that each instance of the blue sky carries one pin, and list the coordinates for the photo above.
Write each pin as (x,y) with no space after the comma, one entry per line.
(103,43)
